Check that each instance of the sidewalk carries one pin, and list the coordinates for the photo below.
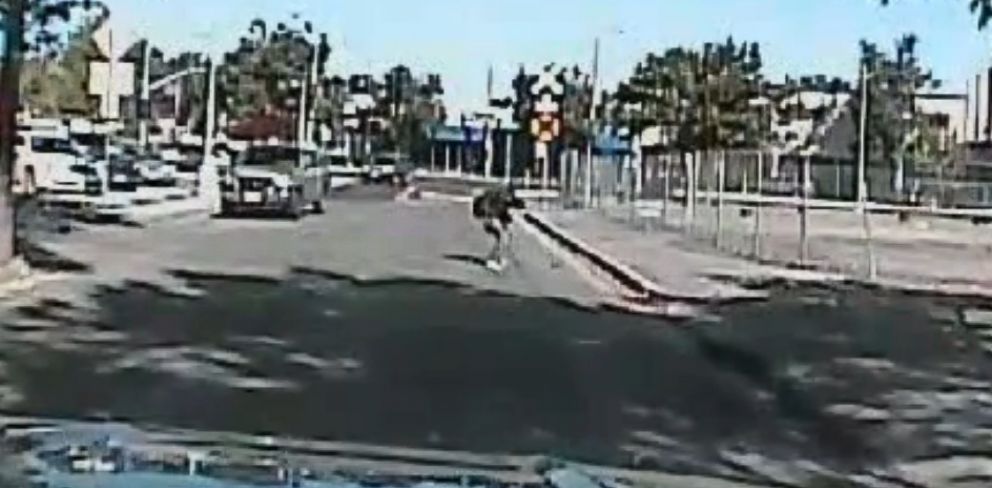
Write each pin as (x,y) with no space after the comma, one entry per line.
(148,214)
(934,255)
(659,261)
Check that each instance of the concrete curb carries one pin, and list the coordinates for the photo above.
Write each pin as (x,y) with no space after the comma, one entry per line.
(444,197)
(178,213)
(620,287)
(642,287)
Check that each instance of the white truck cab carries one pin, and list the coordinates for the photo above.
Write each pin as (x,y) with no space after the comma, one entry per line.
(48,161)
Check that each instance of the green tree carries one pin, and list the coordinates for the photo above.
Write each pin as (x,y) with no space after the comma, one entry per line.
(895,128)
(44,19)
(56,85)
(575,105)
(266,71)
(411,104)
(700,100)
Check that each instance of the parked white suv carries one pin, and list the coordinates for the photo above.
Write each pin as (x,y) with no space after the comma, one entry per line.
(52,164)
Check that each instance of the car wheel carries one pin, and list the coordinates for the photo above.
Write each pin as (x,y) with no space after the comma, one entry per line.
(225,208)
(293,210)
(317,207)
(30,184)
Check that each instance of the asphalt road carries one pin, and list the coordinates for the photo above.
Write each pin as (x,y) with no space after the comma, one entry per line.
(373,323)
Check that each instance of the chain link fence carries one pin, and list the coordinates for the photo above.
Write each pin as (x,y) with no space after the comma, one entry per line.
(803,213)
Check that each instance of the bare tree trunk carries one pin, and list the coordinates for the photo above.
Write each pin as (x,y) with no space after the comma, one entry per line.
(10,87)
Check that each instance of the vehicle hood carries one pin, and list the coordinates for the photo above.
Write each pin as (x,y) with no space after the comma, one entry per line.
(266,171)
(64,171)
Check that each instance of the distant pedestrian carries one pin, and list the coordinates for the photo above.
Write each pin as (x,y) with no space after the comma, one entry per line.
(492,207)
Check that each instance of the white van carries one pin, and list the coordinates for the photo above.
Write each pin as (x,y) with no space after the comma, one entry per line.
(48,161)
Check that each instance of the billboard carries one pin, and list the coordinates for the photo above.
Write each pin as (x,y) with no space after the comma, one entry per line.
(110,82)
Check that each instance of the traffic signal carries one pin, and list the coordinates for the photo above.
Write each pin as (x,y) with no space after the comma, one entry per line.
(360,84)
(522,98)
(323,55)
(435,84)
(547,95)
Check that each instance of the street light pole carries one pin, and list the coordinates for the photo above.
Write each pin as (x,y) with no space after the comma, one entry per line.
(301,120)
(862,204)
(591,137)
(145,110)
(209,187)
(315,83)
(862,143)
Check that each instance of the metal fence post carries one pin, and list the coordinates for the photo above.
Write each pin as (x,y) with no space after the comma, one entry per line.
(757,205)
(689,210)
(668,189)
(870,247)
(720,182)
(803,214)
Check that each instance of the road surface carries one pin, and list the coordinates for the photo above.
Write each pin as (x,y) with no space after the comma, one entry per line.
(373,323)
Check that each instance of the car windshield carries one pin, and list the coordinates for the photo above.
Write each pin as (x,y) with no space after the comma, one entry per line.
(52,145)
(266,156)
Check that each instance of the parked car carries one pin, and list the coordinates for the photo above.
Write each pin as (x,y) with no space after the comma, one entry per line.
(154,171)
(275,178)
(122,173)
(390,167)
(185,162)
(47,161)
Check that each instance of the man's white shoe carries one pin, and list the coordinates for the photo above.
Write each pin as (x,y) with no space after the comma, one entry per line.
(495,266)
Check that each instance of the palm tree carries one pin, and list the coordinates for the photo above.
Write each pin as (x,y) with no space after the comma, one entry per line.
(24,16)
(262,28)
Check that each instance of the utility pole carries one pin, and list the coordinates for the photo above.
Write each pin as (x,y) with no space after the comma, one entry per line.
(366,141)
(487,146)
(10,83)
(312,83)
(301,121)
(862,140)
(432,147)
(508,164)
(862,205)
(804,213)
(209,188)
(145,109)
(177,100)
(591,136)
(757,204)
(720,183)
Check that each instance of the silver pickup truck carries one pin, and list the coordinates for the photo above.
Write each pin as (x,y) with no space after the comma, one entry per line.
(390,168)
(279,179)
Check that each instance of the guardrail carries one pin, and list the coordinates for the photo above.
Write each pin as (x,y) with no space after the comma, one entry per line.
(814,204)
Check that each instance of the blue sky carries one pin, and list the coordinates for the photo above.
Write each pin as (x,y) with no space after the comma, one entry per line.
(461,38)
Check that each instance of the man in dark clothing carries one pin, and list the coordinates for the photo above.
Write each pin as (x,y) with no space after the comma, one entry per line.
(492,207)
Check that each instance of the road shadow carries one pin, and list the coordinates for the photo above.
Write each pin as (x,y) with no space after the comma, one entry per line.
(433,363)
(41,259)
